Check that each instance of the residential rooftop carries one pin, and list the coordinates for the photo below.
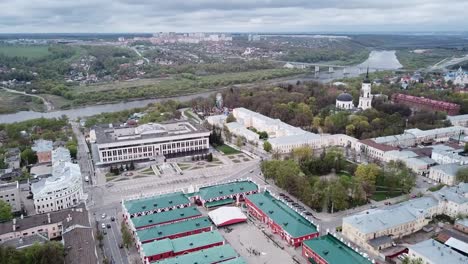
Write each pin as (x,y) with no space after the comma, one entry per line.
(332,250)
(72,216)
(111,134)
(281,214)
(9,186)
(182,244)
(382,147)
(463,222)
(211,192)
(42,145)
(156,202)
(438,253)
(165,217)
(206,256)
(457,194)
(375,220)
(161,231)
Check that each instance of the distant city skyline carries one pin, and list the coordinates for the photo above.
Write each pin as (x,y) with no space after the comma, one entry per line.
(146,16)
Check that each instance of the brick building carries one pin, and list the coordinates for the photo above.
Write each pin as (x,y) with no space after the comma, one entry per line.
(426,103)
(43,149)
(283,220)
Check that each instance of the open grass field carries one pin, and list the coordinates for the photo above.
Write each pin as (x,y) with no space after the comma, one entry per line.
(31,52)
(171,87)
(227,150)
(11,103)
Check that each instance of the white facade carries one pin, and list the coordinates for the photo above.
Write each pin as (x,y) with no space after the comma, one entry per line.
(9,193)
(445,173)
(396,221)
(345,105)
(63,189)
(149,141)
(453,201)
(449,156)
(241,131)
(365,98)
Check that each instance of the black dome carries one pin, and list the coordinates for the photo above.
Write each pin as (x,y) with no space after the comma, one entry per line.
(346,97)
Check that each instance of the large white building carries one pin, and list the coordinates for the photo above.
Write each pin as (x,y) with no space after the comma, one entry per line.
(415,136)
(375,229)
(149,141)
(63,189)
(344,101)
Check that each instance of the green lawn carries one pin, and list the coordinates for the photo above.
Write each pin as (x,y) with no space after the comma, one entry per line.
(27,51)
(380,196)
(227,150)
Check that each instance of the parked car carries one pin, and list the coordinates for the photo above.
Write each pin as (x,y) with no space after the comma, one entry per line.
(103,226)
(112,219)
(108,225)
(308,213)
(103,215)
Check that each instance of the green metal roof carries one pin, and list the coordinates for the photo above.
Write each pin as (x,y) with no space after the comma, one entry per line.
(156,202)
(281,214)
(334,251)
(218,203)
(163,217)
(211,192)
(238,260)
(157,232)
(157,247)
(182,244)
(206,256)
(196,241)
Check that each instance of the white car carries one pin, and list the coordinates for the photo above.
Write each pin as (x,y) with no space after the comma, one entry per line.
(103,226)
(103,215)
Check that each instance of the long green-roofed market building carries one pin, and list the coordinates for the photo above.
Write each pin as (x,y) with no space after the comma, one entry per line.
(166,217)
(226,193)
(283,220)
(330,250)
(154,204)
(166,248)
(207,256)
(174,230)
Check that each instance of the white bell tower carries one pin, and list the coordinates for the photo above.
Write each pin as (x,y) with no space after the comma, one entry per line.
(365,98)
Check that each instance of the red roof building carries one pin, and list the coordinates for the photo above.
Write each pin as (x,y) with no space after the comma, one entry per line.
(426,103)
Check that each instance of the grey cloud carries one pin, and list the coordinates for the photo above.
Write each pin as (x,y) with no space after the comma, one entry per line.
(228,15)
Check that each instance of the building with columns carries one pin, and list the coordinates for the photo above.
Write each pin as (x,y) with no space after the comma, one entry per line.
(149,141)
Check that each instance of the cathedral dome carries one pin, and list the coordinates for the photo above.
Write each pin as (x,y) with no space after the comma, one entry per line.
(345,97)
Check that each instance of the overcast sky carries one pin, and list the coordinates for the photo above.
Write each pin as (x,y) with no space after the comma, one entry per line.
(36,16)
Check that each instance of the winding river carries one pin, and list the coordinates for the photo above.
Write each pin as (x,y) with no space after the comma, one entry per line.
(377,60)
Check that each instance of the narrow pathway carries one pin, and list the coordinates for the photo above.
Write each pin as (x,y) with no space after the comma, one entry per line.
(139,54)
(48,105)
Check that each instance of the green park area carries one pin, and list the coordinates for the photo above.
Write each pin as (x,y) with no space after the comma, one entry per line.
(27,51)
(227,150)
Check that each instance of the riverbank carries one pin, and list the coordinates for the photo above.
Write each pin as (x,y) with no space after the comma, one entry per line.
(378,59)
